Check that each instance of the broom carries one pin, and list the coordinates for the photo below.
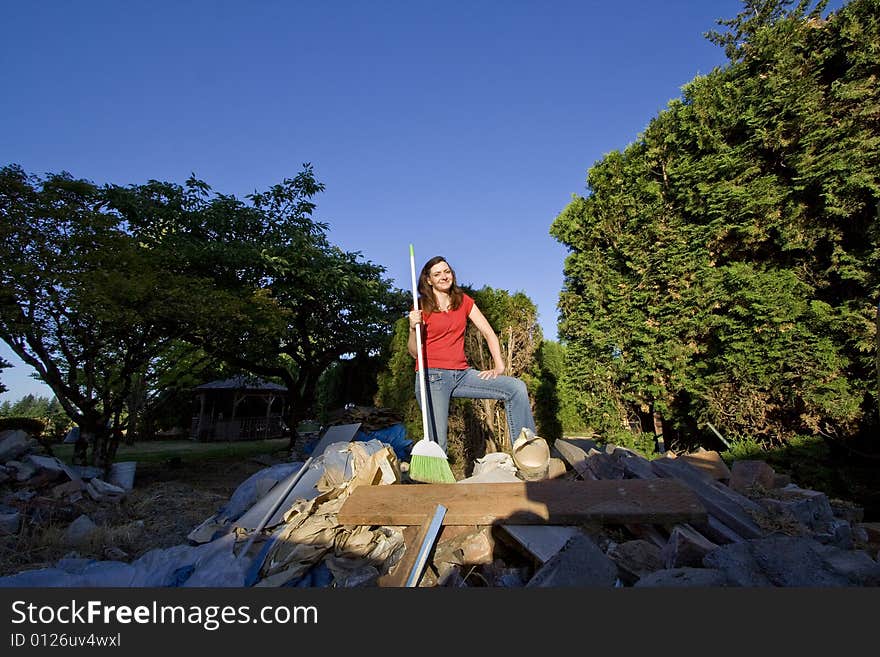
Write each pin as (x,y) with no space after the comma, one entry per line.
(428,462)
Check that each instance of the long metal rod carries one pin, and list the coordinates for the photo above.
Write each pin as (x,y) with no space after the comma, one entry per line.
(430,536)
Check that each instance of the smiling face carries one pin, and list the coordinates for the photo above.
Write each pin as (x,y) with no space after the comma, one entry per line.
(440,277)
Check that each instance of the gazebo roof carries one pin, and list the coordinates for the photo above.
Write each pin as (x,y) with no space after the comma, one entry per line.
(242,382)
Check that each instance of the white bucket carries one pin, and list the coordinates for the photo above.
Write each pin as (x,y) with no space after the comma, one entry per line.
(122,474)
(531,454)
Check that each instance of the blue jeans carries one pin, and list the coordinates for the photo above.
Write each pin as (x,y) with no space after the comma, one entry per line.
(442,385)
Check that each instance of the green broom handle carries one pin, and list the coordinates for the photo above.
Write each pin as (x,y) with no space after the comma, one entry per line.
(423,405)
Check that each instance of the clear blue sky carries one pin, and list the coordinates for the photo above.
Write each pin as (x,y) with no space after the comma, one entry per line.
(463,127)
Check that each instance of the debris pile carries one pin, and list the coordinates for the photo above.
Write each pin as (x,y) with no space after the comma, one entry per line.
(600,517)
(32,480)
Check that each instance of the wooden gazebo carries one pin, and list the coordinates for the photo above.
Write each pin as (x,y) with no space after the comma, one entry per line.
(240,408)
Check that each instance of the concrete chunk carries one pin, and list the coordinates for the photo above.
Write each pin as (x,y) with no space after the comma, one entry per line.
(709,462)
(13,443)
(791,561)
(635,559)
(686,547)
(748,474)
(22,471)
(579,563)
(10,520)
(808,507)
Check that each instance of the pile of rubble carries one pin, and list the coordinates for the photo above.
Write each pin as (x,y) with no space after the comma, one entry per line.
(28,476)
(599,517)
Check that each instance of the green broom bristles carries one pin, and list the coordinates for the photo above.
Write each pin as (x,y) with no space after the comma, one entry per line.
(430,469)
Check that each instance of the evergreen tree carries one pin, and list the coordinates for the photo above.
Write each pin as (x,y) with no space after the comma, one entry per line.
(724,267)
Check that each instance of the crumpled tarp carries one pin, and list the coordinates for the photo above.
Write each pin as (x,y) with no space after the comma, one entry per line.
(394,435)
(212,564)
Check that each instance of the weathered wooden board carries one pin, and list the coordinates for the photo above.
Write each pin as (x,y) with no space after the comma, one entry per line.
(553,501)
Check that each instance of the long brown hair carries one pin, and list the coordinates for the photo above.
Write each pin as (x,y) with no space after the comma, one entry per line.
(426,292)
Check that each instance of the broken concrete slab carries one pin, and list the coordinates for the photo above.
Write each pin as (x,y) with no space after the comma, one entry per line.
(808,507)
(101,491)
(540,542)
(13,444)
(574,455)
(709,462)
(637,467)
(746,474)
(579,563)
(21,471)
(791,561)
(50,463)
(605,466)
(635,559)
(686,547)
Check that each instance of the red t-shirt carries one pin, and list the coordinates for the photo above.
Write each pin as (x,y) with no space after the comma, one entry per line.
(444,337)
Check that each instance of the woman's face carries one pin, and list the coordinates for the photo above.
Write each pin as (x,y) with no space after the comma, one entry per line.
(440,277)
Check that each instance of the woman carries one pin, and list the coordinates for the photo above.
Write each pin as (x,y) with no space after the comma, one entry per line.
(445,311)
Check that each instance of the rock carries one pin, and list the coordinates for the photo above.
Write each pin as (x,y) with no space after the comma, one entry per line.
(748,474)
(80,531)
(10,520)
(792,561)
(21,471)
(810,508)
(13,443)
(686,547)
(635,559)
(579,563)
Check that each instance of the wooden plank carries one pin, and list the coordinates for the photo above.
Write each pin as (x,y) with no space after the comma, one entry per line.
(552,501)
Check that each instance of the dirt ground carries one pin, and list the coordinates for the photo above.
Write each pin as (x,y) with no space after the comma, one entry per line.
(168,501)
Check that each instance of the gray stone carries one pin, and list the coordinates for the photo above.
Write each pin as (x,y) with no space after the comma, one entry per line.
(13,443)
(579,563)
(10,520)
(735,560)
(808,507)
(21,471)
(683,577)
(637,467)
(635,559)
(840,534)
(686,547)
(856,566)
(791,561)
(80,531)
(100,491)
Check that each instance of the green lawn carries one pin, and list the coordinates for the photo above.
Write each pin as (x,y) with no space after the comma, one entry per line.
(162,450)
